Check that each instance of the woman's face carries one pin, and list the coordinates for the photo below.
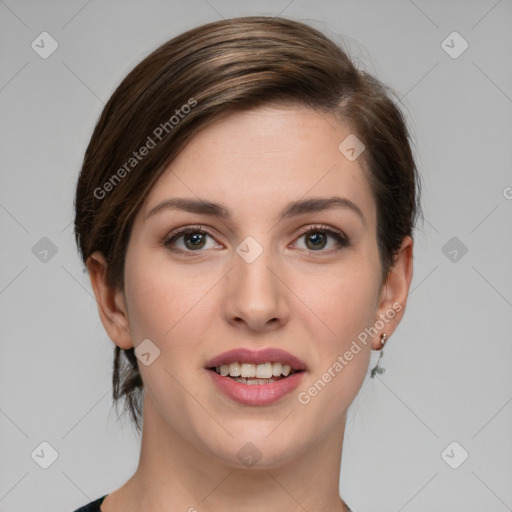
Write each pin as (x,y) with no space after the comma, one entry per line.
(255,280)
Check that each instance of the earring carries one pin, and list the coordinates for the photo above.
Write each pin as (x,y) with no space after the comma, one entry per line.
(378,368)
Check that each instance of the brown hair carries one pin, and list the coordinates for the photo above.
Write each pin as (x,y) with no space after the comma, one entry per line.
(193,80)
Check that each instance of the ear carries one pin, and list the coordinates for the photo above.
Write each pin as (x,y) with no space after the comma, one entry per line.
(111,304)
(393,295)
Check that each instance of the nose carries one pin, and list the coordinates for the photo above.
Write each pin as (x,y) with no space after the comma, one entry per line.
(256,297)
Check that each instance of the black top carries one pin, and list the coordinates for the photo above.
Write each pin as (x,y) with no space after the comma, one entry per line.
(94,506)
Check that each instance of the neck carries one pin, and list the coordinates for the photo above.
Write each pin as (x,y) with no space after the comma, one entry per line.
(175,475)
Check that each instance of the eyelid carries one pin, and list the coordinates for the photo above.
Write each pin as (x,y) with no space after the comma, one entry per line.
(321,227)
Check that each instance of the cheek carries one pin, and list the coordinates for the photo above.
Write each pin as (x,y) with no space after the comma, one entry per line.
(341,300)
(165,304)
(345,303)
(341,305)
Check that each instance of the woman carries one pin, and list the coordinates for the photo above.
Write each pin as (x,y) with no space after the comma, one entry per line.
(245,211)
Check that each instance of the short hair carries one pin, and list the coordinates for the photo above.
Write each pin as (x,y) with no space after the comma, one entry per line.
(207,73)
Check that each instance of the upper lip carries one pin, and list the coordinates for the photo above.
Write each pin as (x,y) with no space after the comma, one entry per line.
(245,355)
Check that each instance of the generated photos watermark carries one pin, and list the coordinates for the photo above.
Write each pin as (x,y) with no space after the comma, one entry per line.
(151,142)
(304,397)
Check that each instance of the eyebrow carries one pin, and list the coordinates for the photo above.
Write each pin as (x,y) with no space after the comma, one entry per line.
(292,209)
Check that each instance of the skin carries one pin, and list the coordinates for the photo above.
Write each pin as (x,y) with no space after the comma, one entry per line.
(311,302)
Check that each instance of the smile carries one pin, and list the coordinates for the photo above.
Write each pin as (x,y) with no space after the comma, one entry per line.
(249,373)
(256,377)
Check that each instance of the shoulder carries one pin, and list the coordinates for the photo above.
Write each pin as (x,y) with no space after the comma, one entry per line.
(93,506)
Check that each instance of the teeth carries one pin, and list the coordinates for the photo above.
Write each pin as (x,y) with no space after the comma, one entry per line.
(248,370)
(250,382)
(263,372)
(234,370)
(276,369)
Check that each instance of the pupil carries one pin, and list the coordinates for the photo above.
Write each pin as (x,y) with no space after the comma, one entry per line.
(317,238)
(196,240)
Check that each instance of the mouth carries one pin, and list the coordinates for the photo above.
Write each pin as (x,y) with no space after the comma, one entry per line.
(256,377)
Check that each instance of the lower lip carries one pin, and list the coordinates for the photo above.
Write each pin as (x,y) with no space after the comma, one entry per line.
(256,394)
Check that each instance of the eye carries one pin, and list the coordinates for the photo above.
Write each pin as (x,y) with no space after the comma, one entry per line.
(194,239)
(316,238)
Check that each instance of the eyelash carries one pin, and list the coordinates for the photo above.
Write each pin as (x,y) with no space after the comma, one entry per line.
(340,238)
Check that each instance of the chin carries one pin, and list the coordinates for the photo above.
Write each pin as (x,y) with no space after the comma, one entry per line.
(258,448)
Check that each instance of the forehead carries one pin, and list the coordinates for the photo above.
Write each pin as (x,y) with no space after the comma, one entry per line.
(267,157)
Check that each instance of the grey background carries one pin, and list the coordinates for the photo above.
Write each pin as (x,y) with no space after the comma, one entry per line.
(448,367)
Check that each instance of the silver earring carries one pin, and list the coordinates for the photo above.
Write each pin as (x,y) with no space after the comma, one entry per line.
(378,368)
